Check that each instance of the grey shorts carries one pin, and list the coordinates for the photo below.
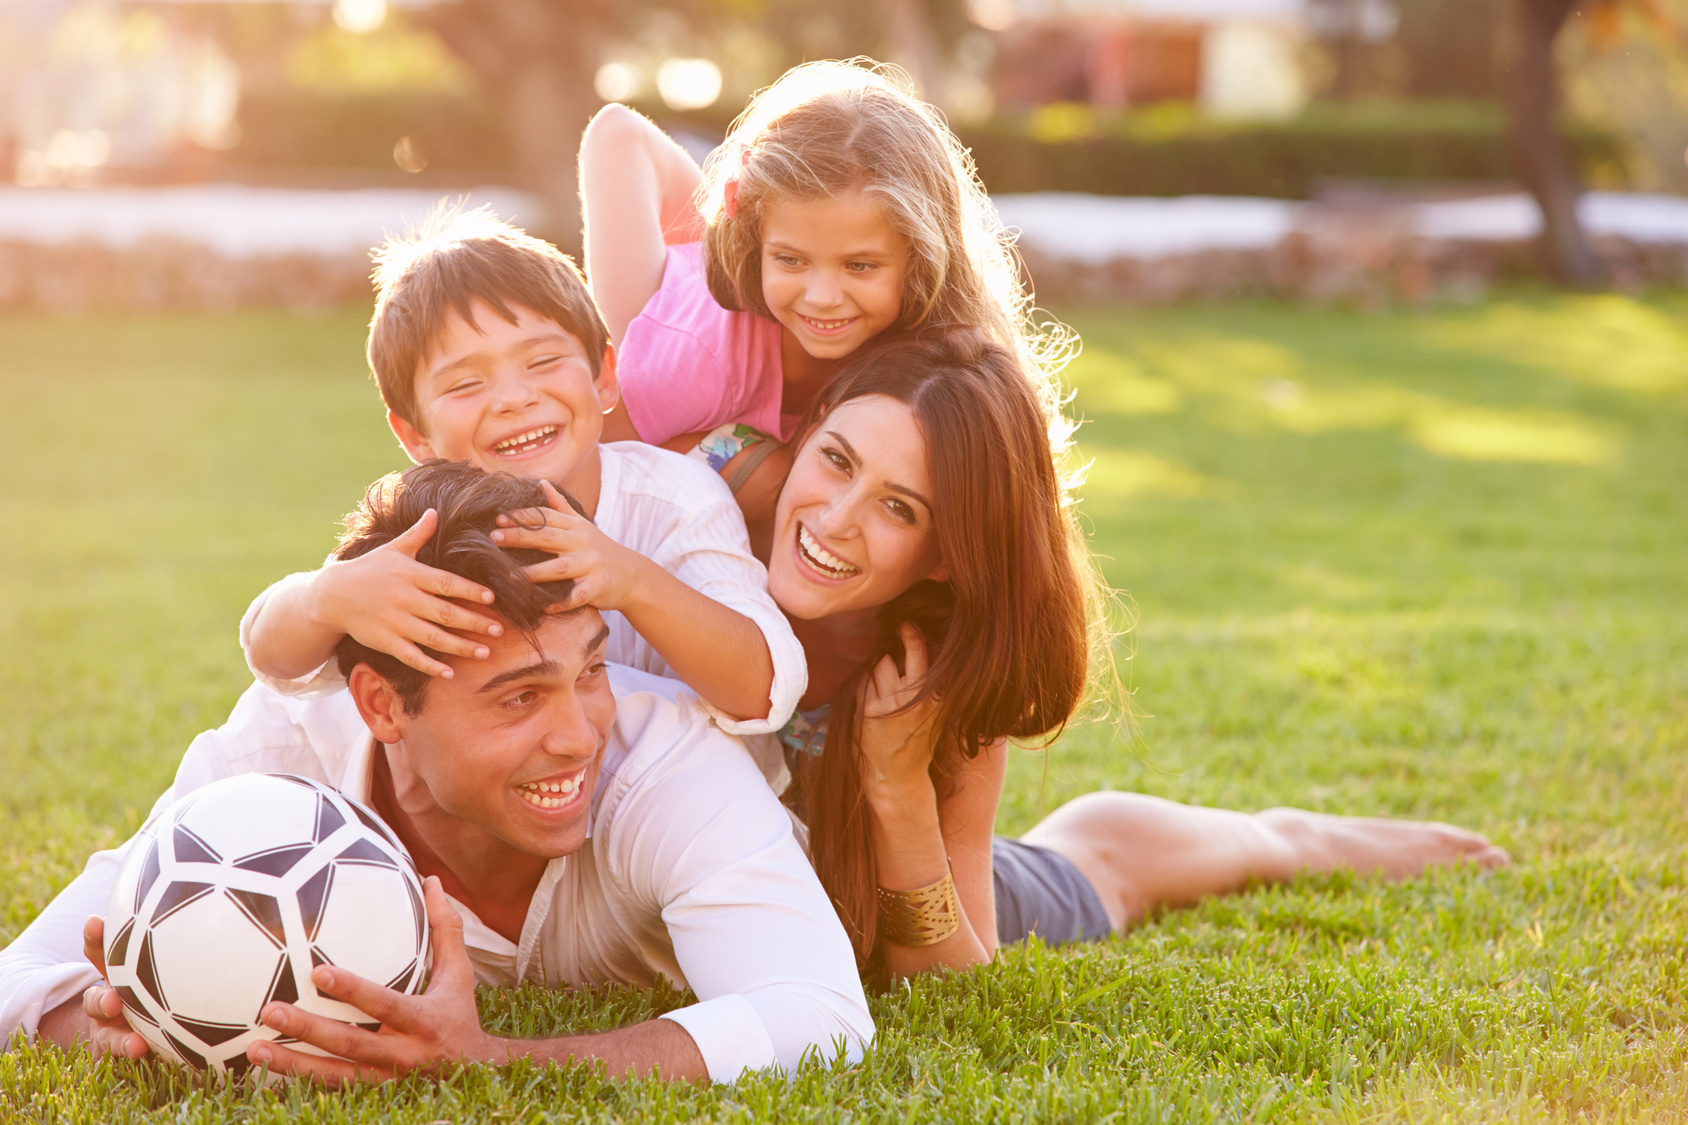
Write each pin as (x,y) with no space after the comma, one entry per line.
(1040,891)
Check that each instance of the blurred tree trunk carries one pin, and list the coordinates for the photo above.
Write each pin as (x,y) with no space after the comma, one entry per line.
(1538,151)
(537,60)
(911,44)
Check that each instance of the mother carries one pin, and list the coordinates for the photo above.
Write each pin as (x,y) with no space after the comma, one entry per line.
(922,552)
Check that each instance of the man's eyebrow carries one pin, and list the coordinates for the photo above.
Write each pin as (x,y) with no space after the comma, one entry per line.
(598,638)
(541,668)
(850,452)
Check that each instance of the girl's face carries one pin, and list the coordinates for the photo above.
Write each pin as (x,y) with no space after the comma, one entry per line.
(853,528)
(832,272)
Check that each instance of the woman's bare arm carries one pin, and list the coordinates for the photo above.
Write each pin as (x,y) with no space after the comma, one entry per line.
(917,834)
(638,194)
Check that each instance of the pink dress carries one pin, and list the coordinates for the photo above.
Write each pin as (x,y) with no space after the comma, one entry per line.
(688,364)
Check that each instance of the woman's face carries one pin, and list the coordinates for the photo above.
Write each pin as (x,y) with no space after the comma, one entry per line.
(853,528)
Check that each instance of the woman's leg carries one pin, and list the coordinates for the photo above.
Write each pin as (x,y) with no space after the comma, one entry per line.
(1142,853)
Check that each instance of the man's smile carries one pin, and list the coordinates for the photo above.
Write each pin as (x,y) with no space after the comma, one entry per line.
(553,792)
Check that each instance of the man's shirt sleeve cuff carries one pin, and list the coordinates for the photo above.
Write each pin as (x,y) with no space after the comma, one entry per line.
(729,1035)
(43,991)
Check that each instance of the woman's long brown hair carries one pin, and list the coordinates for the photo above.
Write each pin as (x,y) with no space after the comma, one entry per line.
(1007,631)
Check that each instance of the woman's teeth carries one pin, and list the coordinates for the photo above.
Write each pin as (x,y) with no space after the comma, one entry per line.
(821,558)
(526,443)
(550,794)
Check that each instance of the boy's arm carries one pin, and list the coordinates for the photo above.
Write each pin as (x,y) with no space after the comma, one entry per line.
(637,191)
(384,599)
(717,651)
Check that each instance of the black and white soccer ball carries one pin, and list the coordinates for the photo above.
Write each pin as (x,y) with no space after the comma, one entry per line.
(231,897)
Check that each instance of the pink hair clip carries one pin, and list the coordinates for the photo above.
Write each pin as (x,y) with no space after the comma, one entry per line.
(730,189)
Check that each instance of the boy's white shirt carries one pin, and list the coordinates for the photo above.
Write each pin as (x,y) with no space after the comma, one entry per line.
(680,514)
(690,873)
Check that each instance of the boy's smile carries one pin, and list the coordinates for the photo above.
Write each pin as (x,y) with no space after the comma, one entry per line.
(517,398)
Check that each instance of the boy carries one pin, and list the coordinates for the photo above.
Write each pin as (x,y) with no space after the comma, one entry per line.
(487,348)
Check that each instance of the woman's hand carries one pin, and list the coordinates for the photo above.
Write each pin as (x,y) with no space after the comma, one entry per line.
(898,733)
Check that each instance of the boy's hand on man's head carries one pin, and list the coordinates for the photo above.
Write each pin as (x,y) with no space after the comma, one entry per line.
(605,573)
(389,602)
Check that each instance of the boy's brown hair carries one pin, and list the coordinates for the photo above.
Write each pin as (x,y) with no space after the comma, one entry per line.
(454,258)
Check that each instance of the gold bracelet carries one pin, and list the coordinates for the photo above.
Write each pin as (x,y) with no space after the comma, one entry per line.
(923,917)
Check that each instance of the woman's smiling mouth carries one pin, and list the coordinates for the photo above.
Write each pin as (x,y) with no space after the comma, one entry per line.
(820,559)
(525,442)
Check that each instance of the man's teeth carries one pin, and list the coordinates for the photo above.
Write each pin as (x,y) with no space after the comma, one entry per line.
(822,557)
(523,443)
(535,792)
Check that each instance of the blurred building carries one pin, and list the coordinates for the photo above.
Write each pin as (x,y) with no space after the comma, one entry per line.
(1233,58)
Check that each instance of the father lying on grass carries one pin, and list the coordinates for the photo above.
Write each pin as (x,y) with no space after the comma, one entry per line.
(569,833)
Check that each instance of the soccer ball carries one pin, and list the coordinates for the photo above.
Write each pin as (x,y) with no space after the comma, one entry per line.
(228,900)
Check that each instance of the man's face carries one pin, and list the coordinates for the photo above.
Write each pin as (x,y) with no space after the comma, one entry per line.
(517,398)
(510,745)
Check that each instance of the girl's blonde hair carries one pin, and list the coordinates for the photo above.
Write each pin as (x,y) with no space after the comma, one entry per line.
(829,128)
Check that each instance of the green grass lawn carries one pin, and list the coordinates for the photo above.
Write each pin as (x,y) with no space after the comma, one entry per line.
(1426,564)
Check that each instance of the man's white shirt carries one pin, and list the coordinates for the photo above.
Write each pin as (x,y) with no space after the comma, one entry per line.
(680,514)
(690,874)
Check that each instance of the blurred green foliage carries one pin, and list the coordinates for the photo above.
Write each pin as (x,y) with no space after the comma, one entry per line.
(1168,149)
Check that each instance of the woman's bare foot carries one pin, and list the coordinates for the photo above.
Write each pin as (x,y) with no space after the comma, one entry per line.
(1392,849)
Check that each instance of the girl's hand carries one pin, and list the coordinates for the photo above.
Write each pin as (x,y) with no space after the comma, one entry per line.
(605,573)
(394,604)
(897,733)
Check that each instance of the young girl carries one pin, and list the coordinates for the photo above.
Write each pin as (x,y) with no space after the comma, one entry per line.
(839,209)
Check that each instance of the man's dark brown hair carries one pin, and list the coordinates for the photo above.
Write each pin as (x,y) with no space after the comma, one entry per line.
(455,258)
(468,501)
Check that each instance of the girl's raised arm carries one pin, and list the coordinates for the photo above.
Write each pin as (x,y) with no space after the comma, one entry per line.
(638,194)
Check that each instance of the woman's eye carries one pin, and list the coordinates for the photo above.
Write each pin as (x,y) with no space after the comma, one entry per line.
(901,510)
(836,459)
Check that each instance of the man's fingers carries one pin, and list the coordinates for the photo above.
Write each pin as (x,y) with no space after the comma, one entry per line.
(331,1035)
(413,537)
(452,967)
(101,1002)
(381,1004)
(93,942)
(331,1072)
